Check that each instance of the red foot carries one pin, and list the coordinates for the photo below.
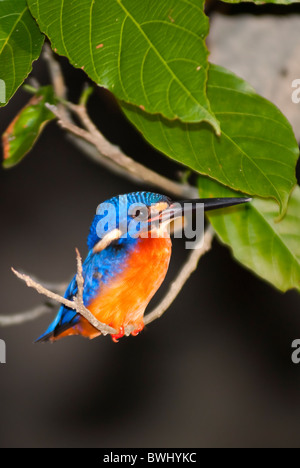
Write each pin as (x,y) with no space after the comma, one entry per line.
(119,335)
(137,330)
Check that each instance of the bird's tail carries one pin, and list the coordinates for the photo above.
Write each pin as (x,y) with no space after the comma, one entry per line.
(48,335)
(65,319)
(45,337)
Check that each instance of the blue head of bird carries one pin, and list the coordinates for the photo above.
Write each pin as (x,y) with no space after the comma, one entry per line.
(130,217)
(127,218)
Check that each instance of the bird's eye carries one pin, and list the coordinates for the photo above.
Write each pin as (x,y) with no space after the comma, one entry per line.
(141,212)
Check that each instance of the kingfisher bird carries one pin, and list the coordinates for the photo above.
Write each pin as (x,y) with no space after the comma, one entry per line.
(128,259)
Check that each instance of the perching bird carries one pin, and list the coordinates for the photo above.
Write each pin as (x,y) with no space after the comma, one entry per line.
(122,272)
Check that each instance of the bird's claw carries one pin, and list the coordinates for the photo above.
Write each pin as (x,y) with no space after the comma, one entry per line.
(137,330)
(119,335)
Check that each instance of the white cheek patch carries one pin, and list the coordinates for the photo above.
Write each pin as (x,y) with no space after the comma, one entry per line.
(161,206)
(115,234)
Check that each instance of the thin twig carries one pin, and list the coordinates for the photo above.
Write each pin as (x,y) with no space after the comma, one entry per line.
(22,317)
(79,304)
(106,153)
(56,76)
(36,312)
(185,272)
(58,288)
(76,304)
(114,154)
(91,151)
(44,291)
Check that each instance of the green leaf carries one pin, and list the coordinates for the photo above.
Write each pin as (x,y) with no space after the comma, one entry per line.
(24,130)
(256,153)
(270,249)
(148,53)
(20,44)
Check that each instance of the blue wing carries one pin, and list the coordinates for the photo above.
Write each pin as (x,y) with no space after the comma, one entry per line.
(65,317)
(97,269)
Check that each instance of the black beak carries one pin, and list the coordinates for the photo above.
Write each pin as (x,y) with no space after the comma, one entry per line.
(215,203)
(178,209)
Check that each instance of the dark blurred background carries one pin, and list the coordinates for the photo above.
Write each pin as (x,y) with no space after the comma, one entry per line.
(214,371)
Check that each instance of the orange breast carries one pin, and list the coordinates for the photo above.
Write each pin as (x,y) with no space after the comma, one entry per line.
(123,301)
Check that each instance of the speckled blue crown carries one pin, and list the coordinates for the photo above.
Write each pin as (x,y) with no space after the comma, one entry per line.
(121,203)
(147,198)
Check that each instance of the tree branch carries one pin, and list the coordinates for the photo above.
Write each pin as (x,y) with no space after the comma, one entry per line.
(104,153)
(77,302)
(203,246)
(22,317)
